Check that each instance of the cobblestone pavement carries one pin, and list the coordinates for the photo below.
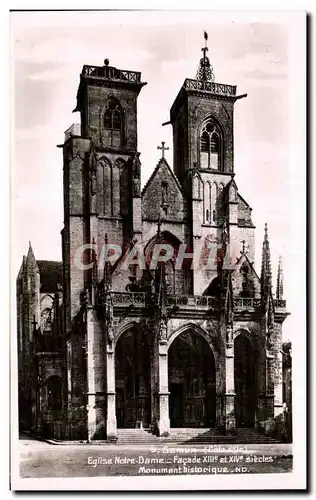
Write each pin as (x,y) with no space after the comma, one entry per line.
(39,459)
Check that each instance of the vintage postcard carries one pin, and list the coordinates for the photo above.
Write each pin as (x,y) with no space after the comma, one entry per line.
(158,330)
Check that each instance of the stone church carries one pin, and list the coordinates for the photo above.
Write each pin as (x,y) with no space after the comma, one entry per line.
(195,341)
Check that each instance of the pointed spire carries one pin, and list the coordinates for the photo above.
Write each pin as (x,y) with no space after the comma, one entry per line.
(107,275)
(265,266)
(229,300)
(30,259)
(279,286)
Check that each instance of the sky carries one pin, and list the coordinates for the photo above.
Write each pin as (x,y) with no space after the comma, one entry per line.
(260,53)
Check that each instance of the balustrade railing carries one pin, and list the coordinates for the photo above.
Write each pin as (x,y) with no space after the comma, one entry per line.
(245,302)
(215,88)
(140,299)
(197,301)
(143,299)
(279,303)
(129,298)
(111,73)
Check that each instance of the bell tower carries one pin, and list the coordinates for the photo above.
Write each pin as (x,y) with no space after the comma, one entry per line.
(202,117)
(102,172)
(107,101)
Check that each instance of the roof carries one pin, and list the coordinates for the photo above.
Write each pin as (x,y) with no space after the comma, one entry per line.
(51,274)
(244,201)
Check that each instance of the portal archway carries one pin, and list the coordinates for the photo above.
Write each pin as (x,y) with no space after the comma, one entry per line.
(245,381)
(132,379)
(192,381)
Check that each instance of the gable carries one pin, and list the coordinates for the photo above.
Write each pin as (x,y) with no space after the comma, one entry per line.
(162,191)
(245,280)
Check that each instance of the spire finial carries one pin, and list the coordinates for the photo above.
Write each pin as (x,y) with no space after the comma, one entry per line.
(265,265)
(205,70)
(107,269)
(279,287)
(266,232)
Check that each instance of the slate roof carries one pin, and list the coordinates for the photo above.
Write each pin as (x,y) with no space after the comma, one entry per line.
(51,274)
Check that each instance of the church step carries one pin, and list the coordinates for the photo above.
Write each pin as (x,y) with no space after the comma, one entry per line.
(193,436)
(135,436)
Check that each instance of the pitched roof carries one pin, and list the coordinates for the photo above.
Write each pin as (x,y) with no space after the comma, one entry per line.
(51,274)
(244,201)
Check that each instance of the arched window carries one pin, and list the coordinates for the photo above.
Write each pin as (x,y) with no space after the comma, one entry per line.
(113,123)
(104,193)
(207,203)
(46,320)
(170,277)
(196,187)
(210,146)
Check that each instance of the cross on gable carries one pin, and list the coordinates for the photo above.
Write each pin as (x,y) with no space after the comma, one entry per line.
(163,148)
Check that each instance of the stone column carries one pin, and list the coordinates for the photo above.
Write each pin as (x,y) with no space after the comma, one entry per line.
(164,422)
(266,398)
(230,420)
(91,416)
(90,407)
(278,371)
(154,389)
(111,431)
(269,403)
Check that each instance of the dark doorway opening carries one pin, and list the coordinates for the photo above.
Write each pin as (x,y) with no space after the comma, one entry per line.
(192,382)
(245,382)
(176,408)
(132,380)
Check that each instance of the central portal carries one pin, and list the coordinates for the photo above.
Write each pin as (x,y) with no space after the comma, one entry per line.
(132,380)
(192,382)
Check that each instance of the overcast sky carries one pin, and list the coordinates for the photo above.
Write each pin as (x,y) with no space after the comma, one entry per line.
(258,54)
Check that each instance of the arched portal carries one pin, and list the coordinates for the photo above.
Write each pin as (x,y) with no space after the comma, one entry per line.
(245,382)
(192,382)
(132,380)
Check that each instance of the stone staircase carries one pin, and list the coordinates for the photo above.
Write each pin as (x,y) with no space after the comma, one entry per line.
(136,436)
(213,436)
(193,436)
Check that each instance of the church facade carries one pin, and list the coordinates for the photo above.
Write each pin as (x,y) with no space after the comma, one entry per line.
(156,318)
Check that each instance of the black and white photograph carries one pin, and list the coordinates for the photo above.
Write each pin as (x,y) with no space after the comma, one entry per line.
(158,250)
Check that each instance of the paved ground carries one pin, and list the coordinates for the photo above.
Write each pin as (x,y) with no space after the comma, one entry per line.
(39,459)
